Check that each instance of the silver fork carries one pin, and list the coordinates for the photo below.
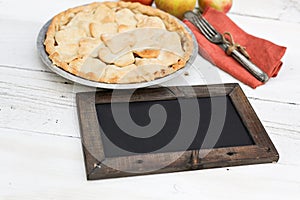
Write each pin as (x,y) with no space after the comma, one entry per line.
(215,37)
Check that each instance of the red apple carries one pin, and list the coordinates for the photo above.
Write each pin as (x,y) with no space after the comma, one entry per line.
(220,5)
(145,2)
(176,7)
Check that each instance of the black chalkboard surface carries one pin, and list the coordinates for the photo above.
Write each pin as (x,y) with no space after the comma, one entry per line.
(220,129)
(234,132)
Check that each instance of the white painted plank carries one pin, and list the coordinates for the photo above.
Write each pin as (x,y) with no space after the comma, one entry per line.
(18,41)
(284,10)
(265,9)
(38,101)
(44,10)
(287,10)
(37,166)
(40,148)
(41,102)
(280,115)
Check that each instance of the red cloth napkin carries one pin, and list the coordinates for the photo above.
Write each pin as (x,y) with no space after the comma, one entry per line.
(265,54)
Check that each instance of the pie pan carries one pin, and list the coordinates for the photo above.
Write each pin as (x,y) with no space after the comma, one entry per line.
(76,79)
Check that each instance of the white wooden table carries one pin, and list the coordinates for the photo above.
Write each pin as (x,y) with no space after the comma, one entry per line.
(40,147)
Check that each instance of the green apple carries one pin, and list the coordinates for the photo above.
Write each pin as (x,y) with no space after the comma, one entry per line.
(220,5)
(176,7)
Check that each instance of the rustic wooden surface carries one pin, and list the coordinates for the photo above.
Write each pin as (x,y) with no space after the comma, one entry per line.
(40,147)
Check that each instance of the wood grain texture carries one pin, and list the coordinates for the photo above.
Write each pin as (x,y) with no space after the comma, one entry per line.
(40,148)
(98,166)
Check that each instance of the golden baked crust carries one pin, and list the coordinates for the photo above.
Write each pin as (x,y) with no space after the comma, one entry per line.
(118,42)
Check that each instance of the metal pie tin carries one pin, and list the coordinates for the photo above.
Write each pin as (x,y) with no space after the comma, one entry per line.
(76,79)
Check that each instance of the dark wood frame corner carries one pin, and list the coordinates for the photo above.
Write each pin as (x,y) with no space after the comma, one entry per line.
(262,152)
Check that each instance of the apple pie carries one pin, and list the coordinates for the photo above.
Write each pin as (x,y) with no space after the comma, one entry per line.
(118,42)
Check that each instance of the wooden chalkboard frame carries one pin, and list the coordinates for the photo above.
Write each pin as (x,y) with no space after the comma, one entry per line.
(262,152)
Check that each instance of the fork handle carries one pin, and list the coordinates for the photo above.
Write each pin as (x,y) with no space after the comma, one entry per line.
(251,67)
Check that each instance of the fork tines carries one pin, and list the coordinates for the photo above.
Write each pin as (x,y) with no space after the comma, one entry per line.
(204,26)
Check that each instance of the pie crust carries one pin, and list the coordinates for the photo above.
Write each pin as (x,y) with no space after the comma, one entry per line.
(118,42)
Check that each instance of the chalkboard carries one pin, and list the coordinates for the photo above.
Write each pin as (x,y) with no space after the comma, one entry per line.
(234,132)
(222,130)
